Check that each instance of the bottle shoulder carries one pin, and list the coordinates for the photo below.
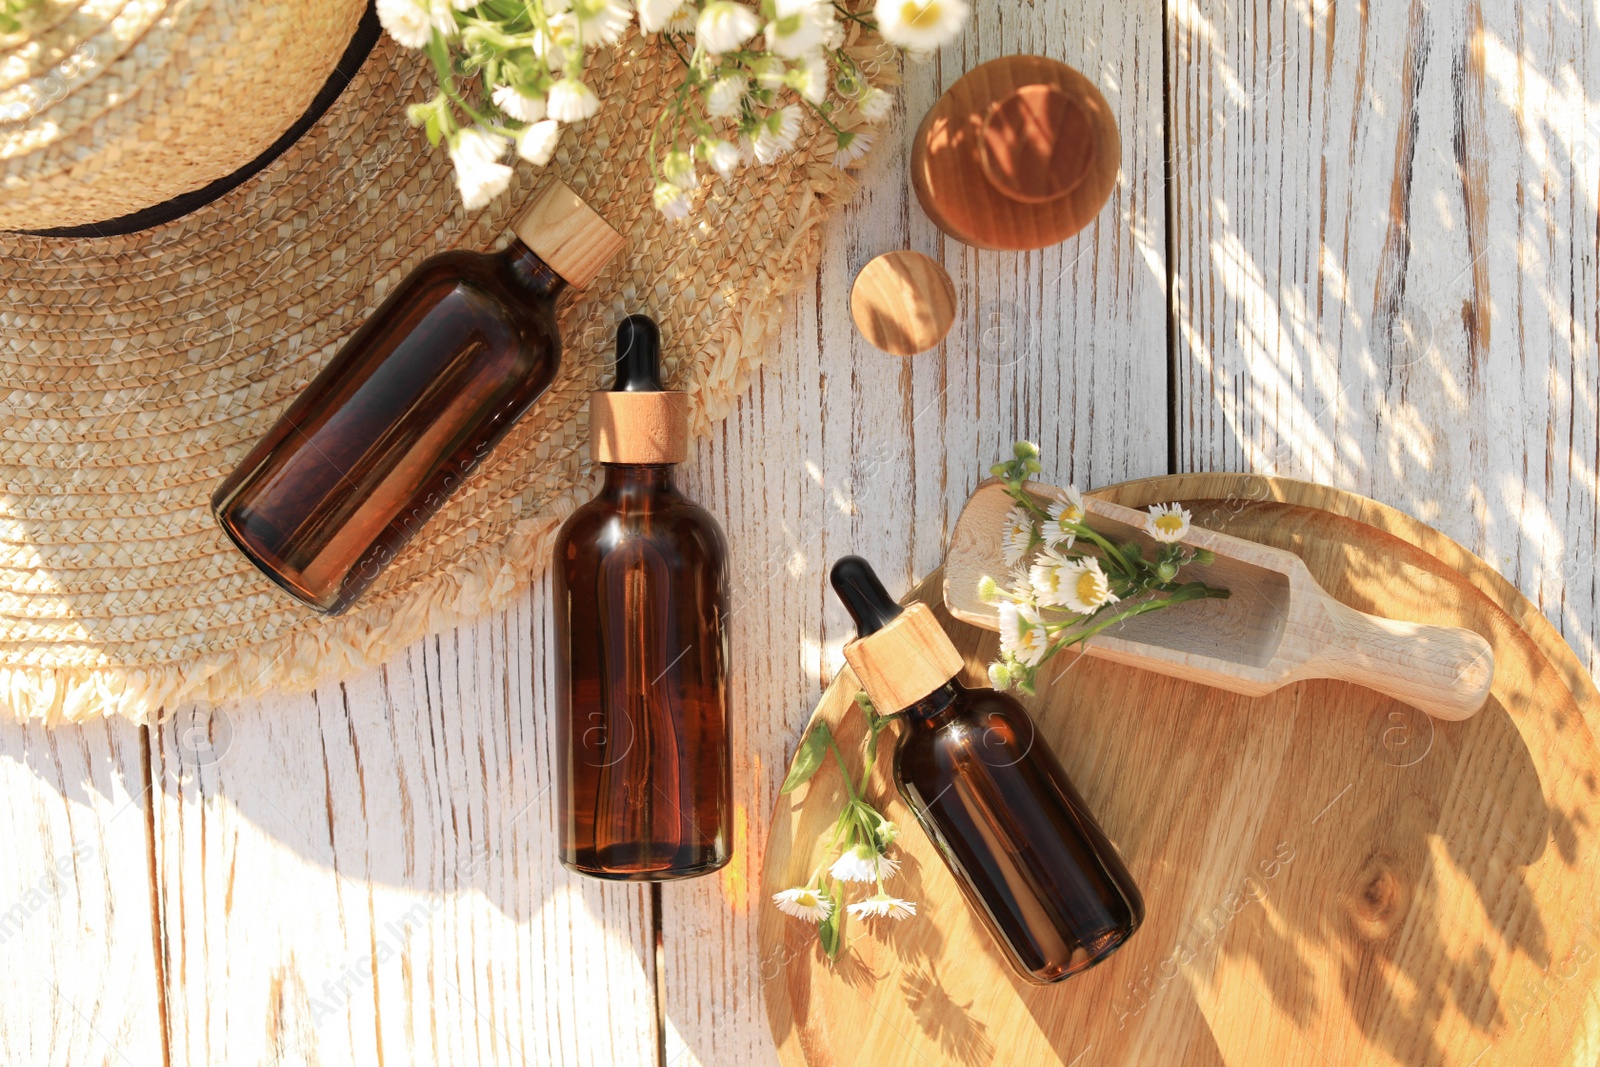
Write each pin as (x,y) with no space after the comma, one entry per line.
(668,521)
(981,725)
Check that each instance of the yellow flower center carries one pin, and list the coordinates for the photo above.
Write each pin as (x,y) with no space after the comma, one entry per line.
(1169,523)
(915,14)
(806,900)
(1089,587)
(1071,513)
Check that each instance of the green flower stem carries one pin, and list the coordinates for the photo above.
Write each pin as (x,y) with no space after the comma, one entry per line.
(1191,591)
(843,767)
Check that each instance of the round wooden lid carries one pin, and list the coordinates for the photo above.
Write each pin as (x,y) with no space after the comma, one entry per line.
(903,303)
(1022,152)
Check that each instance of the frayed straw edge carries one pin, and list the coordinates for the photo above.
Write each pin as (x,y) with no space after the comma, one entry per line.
(485,582)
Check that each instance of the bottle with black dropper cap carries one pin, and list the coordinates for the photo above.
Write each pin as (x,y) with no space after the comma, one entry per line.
(1014,832)
(641,602)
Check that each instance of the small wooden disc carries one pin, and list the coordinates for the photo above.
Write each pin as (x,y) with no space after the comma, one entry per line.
(1022,152)
(903,303)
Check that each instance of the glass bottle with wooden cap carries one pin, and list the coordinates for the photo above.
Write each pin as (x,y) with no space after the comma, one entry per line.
(411,405)
(641,602)
(1016,835)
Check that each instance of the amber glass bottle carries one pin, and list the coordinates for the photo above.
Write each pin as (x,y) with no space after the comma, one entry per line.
(1014,832)
(410,406)
(641,601)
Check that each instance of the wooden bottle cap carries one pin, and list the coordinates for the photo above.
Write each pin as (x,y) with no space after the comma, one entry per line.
(903,303)
(639,427)
(1022,152)
(567,234)
(905,661)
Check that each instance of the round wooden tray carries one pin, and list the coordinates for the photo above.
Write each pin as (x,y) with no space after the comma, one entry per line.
(1331,877)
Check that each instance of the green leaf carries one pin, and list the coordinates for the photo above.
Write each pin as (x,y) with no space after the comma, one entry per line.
(808,758)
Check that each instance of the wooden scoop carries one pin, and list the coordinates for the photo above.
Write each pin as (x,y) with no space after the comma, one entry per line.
(1277,626)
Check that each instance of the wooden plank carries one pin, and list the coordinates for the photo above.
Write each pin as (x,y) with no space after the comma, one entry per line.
(77,928)
(1386,272)
(839,448)
(368,874)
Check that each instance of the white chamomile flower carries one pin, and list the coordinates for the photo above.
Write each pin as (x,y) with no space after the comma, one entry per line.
(803,902)
(798,27)
(547,44)
(1022,634)
(479,173)
(726,96)
(518,106)
(883,905)
(769,143)
(988,590)
(599,21)
(853,145)
(412,22)
(670,201)
(1016,536)
(537,143)
(810,78)
(678,168)
(724,157)
(1058,532)
(1168,522)
(654,15)
(1083,588)
(875,104)
(571,101)
(1048,576)
(862,863)
(724,25)
(999,676)
(920,25)
(464,5)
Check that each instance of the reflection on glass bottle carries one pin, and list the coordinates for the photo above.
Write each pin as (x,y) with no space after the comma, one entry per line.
(641,609)
(991,795)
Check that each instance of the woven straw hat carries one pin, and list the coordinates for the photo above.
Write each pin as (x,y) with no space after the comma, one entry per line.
(138,369)
(110,106)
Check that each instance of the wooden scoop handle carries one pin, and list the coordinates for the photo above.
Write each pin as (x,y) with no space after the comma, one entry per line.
(1445,671)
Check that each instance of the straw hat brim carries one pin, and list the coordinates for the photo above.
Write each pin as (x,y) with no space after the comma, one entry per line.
(139,369)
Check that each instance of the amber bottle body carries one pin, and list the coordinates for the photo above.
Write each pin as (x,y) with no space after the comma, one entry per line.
(1024,848)
(642,718)
(400,417)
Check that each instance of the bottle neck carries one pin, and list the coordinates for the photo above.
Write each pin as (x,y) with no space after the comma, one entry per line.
(638,477)
(534,275)
(932,710)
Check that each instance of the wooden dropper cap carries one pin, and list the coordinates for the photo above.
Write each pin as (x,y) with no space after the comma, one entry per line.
(567,234)
(639,420)
(900,655)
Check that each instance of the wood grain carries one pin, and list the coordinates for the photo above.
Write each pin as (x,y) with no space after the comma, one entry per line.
(1048,345)
(1383,275)
(77,925)
(903,303)
(1328,876)
(1020,153)
(1385,267)
(1277,625)
(368,874)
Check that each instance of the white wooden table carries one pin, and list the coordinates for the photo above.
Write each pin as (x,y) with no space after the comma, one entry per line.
(1354,244)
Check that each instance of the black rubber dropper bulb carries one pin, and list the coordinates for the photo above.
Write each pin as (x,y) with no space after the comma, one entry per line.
(638,356)
(865,598)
